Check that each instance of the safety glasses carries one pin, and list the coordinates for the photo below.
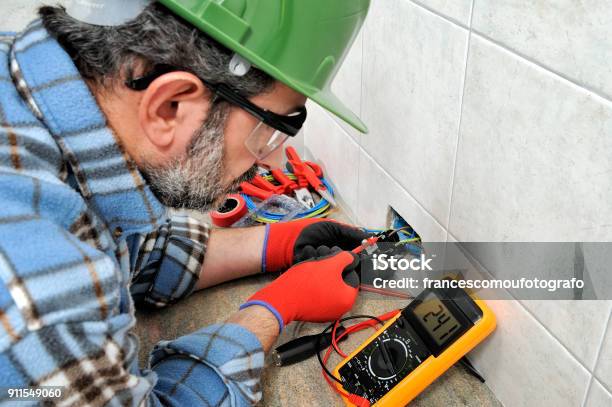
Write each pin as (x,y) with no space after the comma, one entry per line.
(271,131)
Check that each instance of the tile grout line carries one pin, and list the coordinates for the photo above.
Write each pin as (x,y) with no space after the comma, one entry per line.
(597,356)
(458,137)
(600,351)
(587,391)
(361,81)
(565,78)
(358,200)
(442,16)
(516,53)
(359,138)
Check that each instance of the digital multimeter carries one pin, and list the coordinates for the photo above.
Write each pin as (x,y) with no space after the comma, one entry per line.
(414,348)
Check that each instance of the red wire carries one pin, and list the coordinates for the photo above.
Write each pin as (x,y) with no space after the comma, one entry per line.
(354,328)
(370,323)
(384,292)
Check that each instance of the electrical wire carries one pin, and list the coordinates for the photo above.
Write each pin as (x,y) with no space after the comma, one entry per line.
(399,230)
(386,292)
(404,241)
(358,327)
(370,323)
(322,209)
(330,326)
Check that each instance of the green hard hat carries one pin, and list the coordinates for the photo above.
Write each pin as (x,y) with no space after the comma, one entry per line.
(300,43)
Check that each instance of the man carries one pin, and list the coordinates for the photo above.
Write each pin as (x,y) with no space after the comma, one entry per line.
(110,113)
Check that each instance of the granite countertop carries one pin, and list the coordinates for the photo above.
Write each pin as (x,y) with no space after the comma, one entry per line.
(301,384)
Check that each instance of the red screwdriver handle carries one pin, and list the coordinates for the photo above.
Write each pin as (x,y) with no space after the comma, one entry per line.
(315,167)
(292,155)
(266,185)
(285,181)
(299,168)
(313,180)
(252,190)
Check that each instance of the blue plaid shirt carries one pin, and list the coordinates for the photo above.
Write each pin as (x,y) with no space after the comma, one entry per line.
(81,238)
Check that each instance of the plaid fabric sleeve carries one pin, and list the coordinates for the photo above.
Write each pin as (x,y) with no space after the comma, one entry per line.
(168,261)
(220,364)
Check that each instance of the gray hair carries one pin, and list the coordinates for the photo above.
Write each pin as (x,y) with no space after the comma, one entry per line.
(157,36)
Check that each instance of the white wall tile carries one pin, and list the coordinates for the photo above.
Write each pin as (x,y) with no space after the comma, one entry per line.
(579,325)
(458,10)
(526,366)
(534,154)
(598,396)
(329,145)
(378,192)
(347,84)
(413,70)
(603,371)
(571,37)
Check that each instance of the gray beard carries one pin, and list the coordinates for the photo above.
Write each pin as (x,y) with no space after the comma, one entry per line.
(196,181)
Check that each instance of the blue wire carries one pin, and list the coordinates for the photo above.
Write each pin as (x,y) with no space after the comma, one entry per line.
(277,217)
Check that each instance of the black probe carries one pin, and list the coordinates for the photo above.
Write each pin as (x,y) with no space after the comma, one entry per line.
(302,348)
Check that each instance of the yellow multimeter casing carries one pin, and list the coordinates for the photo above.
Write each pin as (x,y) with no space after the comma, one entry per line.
(433,366)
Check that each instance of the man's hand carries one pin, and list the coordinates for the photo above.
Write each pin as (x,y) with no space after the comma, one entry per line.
(317,290)
(288,243)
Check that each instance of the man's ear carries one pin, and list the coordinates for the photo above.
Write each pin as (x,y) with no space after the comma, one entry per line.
(166,103)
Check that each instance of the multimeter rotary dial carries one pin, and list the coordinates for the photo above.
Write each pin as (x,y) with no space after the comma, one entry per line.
(388,358)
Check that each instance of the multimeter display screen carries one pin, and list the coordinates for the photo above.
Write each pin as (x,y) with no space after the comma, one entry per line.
(436,318)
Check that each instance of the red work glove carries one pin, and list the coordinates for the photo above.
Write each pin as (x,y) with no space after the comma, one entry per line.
(317,290)
(288,243)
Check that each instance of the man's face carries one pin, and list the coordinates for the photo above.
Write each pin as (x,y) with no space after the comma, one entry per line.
(214,160)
